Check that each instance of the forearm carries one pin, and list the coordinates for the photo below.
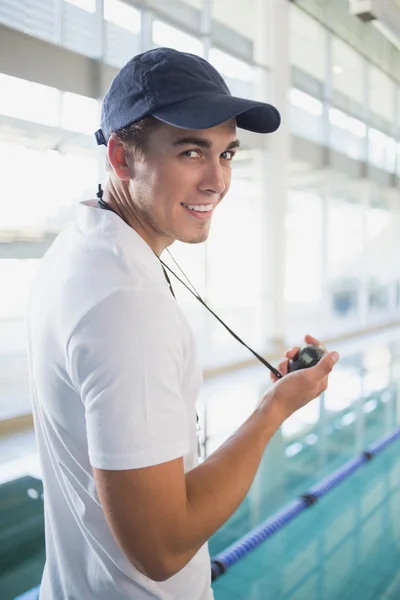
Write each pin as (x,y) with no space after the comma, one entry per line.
(216,488)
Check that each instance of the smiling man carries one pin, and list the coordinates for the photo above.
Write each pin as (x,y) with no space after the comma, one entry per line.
(173,184)
(113,363)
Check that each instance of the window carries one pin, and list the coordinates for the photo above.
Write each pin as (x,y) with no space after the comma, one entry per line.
(378,144)
(170,37)
(56,181)
(121,14)
(237,15)
(340,119)
(233,287)
(80,27)
(198,4)
(86,5)
(123,25)
(239,75)
(230,66)
(348,69)
(34,17)
(306,102)
(16,277)
(380,251)
(303,239)
(79,113)
(344,259)
(347,134)
(381,94)
(308,43)
(43,104)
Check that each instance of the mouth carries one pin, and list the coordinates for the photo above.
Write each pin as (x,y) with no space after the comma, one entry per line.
(199,211)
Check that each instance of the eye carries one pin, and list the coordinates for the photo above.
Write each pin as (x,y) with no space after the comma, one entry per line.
(191,153)
(227,155)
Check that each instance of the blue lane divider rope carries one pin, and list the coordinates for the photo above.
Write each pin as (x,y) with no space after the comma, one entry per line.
(232,554)
(227,558)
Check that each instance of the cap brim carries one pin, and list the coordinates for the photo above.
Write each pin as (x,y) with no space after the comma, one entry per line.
(210,110)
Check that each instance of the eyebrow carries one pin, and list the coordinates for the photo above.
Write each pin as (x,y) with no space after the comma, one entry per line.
(202,143)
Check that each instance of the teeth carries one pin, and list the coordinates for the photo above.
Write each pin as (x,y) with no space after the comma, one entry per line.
(203,208)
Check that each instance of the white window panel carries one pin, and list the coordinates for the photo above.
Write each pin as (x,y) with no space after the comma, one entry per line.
(378,143)
(121,45)
(43,104)
(123,25)
(308,43)
(237,15)
(391,155)
(56,181)
(170,37)
(303,226)
(231,67)
(381,94)
(357,127)
(16,276)
(343,121)
(121,14)
(198,4)
(79,113)
(338,118)
(80,29)
(35,17)
(306,102)
(86,5)
(347,134)
(239,75)
(347,71)
(306,124)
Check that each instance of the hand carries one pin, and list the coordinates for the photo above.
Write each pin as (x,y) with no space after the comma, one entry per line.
(296,389)
(289,354)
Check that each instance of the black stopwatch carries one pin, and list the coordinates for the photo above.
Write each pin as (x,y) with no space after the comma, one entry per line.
(308,356)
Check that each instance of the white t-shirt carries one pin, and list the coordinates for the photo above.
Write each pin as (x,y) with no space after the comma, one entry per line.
(114,379)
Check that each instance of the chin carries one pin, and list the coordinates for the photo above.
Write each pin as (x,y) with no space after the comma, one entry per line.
(195,237)
(200,237)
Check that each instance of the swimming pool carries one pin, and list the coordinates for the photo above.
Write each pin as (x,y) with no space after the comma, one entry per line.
(348,545)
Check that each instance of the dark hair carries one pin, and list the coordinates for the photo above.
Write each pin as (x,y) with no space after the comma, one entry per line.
(134,136)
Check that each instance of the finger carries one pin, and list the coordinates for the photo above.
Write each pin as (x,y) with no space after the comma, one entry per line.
(309,339)
(292,352)
(326,364)
(282,368)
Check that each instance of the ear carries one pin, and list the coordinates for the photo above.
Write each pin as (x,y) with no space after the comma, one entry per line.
(119,158)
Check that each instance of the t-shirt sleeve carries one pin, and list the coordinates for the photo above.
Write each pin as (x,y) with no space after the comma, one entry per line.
(126,359)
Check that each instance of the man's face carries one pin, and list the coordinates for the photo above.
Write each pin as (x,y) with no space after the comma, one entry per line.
(177,184)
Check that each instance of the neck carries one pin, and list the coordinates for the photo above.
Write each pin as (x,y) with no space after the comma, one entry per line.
(117,195)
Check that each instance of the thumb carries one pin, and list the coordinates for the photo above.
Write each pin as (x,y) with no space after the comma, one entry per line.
(326,364)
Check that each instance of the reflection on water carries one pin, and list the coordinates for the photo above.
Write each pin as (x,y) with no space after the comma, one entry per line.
(360,405)
(347,547)
(228,400)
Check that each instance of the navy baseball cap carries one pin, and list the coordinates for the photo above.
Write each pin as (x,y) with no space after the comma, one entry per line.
(181,89)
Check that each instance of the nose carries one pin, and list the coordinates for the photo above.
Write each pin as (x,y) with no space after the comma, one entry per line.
(214,180)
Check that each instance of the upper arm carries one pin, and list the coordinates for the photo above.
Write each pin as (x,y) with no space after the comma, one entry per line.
(126,361)
(145,509)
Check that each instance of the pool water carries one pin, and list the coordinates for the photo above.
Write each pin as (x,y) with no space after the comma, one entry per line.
(347,546)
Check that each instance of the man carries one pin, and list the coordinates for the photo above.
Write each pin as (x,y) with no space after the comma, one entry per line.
(114,371)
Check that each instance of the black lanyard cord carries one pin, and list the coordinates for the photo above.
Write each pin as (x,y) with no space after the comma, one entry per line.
(199,298)
(106,206)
